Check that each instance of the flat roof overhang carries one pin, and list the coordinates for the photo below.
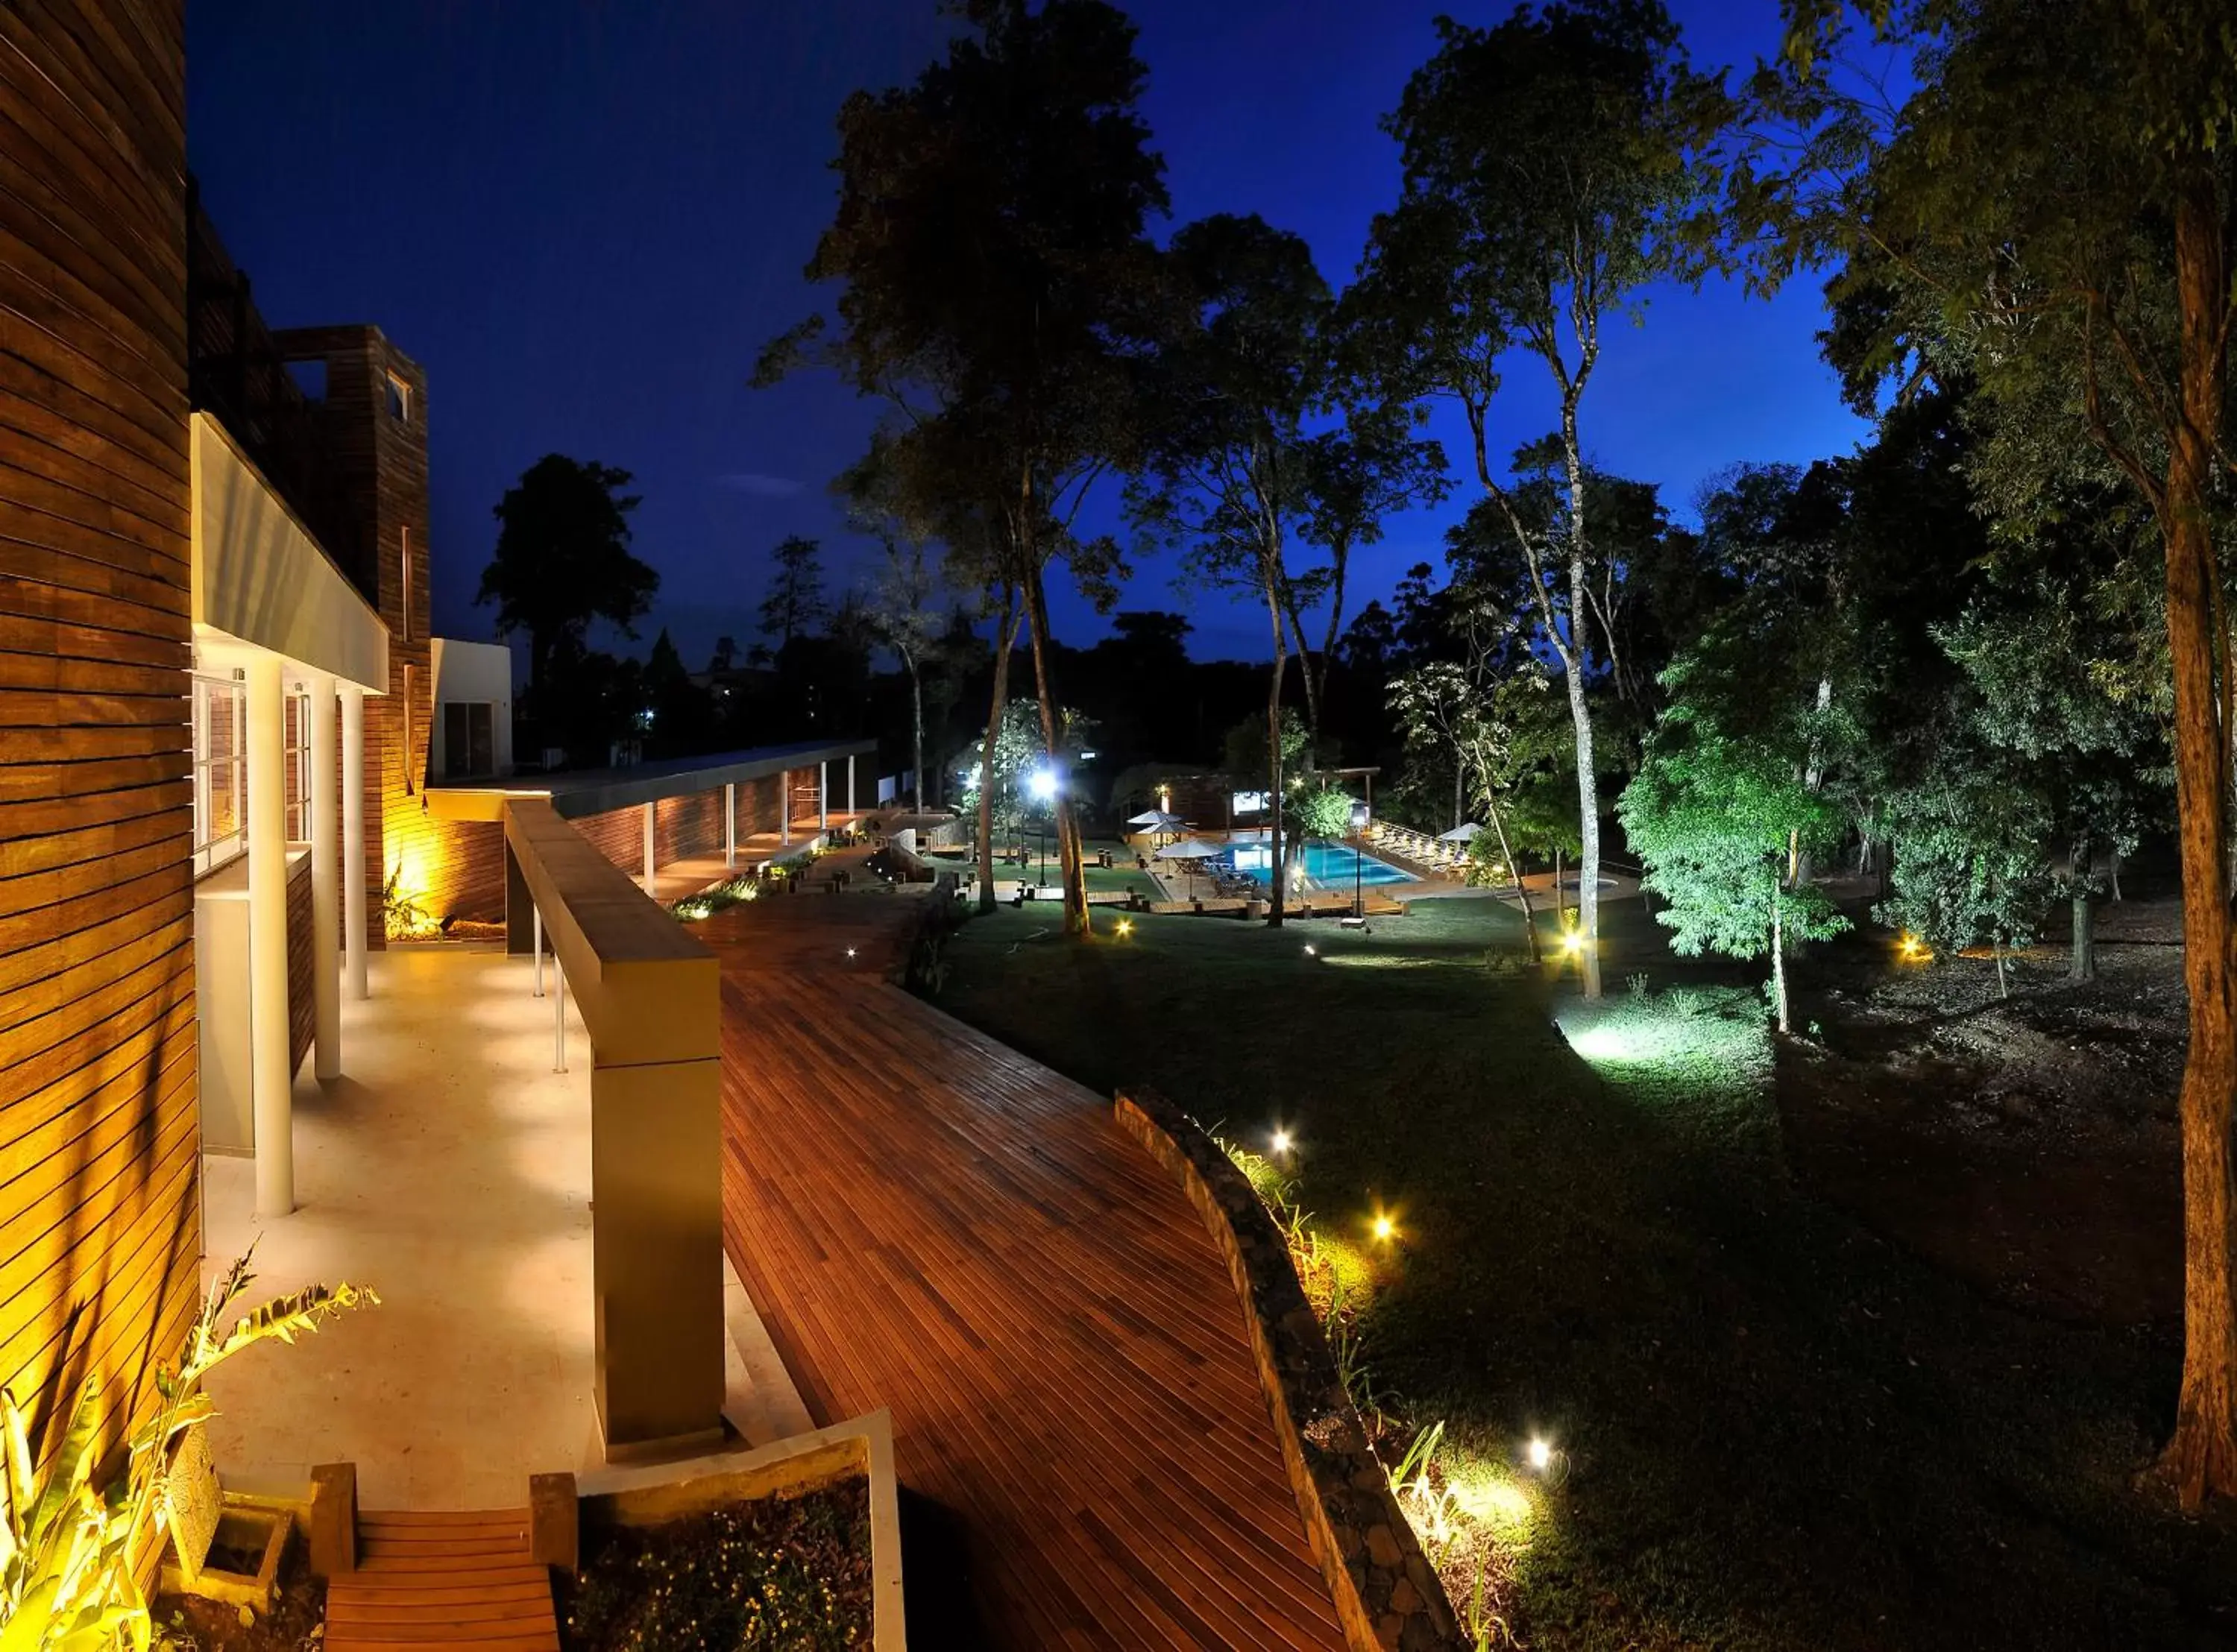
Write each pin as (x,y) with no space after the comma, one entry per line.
(262,582)
(577,792)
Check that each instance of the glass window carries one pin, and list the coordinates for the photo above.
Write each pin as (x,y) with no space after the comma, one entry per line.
(220,772)
(295,766)
(400,399)
(469,738)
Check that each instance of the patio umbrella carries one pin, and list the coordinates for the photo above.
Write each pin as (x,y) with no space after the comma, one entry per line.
(1190,850)
(1464,832)
(1147,816)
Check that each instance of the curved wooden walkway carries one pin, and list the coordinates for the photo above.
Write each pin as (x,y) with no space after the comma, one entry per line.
(929,1221)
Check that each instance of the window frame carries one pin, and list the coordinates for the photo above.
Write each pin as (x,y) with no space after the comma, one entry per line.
(208,691)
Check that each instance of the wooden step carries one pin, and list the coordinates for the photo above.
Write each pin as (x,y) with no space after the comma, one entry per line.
(443,1579)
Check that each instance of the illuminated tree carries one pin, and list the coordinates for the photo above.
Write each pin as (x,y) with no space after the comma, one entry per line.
(997,287)
(1556,165)
(1714,817)
(2053,213)
(1229,465)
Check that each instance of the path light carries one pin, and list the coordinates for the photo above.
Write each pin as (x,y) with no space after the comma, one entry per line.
(1125,927)
(1385,1230)
(850,951)
(1541,1455)
(1281,1142)
(1309,951)
(1573,942)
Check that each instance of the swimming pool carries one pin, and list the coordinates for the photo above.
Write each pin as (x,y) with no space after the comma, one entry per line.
(1329,864)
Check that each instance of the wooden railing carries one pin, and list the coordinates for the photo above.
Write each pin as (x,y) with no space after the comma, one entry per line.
(650,997)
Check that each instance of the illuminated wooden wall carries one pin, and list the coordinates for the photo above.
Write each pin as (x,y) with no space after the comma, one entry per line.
(99,1223)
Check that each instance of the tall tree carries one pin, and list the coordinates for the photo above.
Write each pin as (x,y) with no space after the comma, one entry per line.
(907,611)
(1555,164)
(1229,464)
(795,604)
(996,286)
(2053,211)
(563,560)
(1714,814)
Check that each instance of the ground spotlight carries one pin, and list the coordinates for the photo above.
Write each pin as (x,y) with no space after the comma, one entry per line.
(1541,1455)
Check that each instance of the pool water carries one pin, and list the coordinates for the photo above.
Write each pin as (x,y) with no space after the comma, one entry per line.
(1329,864)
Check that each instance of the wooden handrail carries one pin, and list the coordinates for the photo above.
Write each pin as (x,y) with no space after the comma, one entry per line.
(648,990)
(650,997)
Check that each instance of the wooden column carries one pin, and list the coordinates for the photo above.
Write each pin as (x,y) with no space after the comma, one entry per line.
(353,867)
(325,881)
(651,869)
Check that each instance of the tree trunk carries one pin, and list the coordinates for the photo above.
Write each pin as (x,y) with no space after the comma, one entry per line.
(2003,986)
(1778,959)
(916,722)
(1522,889)
(1071,867)
(2201,1457)
(1588,813)
(2081,964)
(1274,752)
(1004,640)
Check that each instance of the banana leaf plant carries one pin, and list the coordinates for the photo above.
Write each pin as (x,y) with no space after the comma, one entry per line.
(70,1549)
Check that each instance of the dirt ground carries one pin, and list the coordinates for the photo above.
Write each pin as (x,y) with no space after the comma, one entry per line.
(2027,1144)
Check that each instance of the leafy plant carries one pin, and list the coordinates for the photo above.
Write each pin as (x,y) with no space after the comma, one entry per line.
(69,1549)
(402,916)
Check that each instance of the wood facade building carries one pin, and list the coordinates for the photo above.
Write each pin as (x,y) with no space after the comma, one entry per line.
(98,1189)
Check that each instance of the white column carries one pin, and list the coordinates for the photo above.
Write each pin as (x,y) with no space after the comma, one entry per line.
(354,840)
(326,885)
(649,867)
(850,783)
(822,795)
(730,826)
(269,1079)
(784,808)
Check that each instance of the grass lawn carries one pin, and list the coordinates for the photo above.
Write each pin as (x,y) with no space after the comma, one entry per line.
(1780,1432)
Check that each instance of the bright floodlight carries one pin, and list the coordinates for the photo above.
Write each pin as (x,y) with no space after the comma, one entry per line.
(1125,926)
(1309,951)
(1572,942)
(1281,1141)
(1385,1229)
(850,951)
(1541,1455)
(1043,784)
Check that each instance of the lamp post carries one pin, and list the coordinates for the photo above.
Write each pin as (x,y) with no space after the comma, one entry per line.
(1044,787)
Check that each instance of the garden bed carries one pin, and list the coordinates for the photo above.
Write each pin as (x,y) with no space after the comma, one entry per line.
(296,1623)
(780,1571)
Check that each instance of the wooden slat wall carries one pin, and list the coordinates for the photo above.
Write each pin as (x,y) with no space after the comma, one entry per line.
(302,991)
(99,1226)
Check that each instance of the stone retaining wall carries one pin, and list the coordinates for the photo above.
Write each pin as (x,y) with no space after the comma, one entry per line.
(1386,1594)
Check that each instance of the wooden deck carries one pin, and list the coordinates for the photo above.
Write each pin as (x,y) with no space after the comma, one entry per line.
(929,1221)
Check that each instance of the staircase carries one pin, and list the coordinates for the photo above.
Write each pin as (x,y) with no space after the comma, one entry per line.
(429,1580)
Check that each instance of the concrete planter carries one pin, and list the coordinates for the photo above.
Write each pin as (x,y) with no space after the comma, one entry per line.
(652,1496)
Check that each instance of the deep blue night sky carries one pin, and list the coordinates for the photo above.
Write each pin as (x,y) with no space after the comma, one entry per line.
(585,220)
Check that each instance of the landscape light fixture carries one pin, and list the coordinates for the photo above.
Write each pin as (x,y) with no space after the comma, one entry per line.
(1385,1230)
(1043,784)
(1541,1455)
(1125,926)
(1309,951)
(850,951)
(1573,942)
(1281,1142)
